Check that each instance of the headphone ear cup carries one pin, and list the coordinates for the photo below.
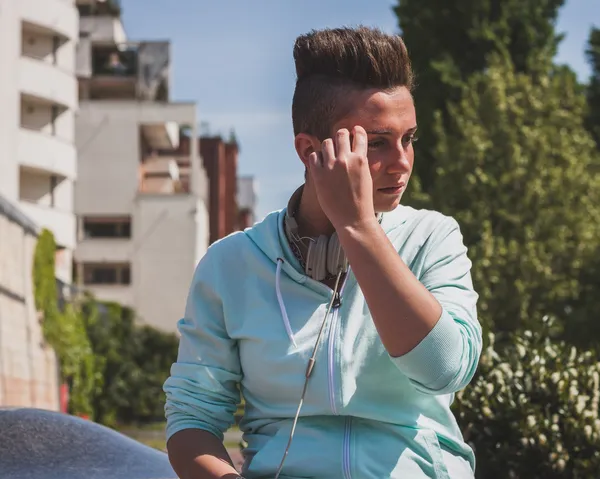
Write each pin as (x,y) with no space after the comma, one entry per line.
(316,259)
(336,258)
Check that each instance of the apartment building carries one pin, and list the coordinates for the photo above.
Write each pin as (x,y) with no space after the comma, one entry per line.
(141,204)
(38,102)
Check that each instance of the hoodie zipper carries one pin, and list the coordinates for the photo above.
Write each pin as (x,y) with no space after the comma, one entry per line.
(333,329)
(346,454)
(332,333)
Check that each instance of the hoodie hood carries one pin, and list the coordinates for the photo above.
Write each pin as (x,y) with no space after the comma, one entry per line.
(269,236)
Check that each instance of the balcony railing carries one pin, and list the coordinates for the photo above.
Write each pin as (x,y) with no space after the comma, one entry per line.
(97,7)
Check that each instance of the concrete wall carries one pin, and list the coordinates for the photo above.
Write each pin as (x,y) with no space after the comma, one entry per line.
(107,140)
(28,368)
(164,257)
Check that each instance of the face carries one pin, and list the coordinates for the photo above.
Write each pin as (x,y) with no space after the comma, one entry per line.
(390,122)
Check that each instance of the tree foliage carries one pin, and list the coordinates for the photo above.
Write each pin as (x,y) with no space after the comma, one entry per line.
(115,367)
(449,41)
(64,329)
(513,167)
(593,92)
(134,361)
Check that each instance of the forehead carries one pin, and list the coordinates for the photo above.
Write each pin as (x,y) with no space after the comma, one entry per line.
(376,109)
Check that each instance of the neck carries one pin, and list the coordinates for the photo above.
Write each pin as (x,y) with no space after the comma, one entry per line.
(311,219)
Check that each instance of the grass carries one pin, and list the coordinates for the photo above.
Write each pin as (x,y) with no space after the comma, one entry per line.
(153,435)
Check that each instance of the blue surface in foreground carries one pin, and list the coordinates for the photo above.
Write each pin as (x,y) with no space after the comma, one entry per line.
(39,444)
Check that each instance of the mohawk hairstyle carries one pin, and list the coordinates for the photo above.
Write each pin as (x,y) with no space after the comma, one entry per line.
(332,63)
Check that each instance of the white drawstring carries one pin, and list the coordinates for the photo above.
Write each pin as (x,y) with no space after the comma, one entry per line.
(284,315)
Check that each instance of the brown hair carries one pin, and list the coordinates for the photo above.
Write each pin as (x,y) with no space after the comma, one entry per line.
(331,63)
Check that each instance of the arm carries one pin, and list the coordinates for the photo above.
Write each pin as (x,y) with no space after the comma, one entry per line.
(403,311)
(198,454)
(201,392)
(428,326)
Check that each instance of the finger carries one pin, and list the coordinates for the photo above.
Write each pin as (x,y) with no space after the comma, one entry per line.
(360,144)
(328,153)
(342,139)
(314,161)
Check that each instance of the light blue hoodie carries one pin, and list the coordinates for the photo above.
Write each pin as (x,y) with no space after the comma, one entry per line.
(252,318)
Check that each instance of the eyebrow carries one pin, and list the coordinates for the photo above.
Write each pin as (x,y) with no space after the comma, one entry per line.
(388,131)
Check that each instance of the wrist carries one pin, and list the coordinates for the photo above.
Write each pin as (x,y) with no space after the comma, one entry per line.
(359,227)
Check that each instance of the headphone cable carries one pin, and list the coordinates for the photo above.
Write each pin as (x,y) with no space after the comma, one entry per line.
(309,368)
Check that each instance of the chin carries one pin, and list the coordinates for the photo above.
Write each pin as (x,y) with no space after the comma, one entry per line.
(385,205)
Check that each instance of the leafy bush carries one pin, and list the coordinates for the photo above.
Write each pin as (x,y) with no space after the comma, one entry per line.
(134,361)
(532,410)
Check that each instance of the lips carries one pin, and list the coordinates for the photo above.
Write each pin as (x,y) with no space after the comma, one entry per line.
(393,189)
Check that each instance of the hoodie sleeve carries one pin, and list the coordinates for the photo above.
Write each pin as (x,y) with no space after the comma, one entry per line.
(445,361)
(202,389)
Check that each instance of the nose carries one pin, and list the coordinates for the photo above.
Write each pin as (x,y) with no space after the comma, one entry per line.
(400,160)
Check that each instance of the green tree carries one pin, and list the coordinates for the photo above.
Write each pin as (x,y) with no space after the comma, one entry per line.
(134,361)
(593,92)
(449,40)
(513,167)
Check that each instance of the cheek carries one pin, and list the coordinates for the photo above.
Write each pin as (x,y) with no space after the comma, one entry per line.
(411,157)
(376,163)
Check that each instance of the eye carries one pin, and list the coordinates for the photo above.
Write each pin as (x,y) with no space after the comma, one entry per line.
(375,144)
(408,139)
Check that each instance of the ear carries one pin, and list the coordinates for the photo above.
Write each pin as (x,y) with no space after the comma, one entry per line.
(305,145)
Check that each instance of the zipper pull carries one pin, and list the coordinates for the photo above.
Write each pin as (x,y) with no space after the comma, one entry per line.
(337,300)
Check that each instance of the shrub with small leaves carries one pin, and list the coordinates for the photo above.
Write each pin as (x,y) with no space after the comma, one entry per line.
(532,410)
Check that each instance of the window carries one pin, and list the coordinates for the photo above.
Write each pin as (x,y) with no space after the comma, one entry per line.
(55,48)
(107,227)
(106,274)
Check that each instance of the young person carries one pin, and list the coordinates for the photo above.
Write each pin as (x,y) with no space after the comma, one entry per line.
(347,320)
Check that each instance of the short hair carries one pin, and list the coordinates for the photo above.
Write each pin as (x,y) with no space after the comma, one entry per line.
(332,63)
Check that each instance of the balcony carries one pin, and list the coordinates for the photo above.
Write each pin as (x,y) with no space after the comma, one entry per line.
(161,136)
(47,83)
(51,16)
(132,71)
(104,249)
(61,223)
(41,151)
(163,175)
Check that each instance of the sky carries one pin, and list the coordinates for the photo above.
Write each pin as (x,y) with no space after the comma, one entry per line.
(234,59)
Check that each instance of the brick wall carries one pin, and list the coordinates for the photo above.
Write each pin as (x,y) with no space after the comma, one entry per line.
(230,201)
(28,368)
(220,162)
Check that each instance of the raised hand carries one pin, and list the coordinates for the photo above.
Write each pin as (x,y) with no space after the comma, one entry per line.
(340,173)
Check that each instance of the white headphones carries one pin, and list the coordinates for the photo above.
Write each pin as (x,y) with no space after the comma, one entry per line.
(325,255)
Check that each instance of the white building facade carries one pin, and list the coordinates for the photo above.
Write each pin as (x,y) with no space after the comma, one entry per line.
(39,101)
